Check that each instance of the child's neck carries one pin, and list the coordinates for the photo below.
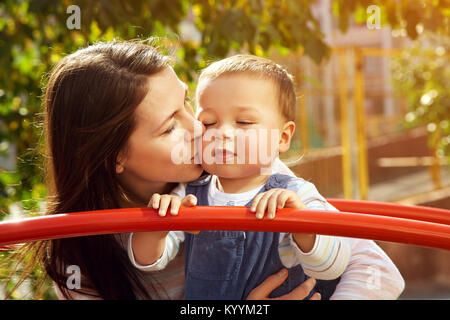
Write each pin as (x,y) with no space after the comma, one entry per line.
(240,185)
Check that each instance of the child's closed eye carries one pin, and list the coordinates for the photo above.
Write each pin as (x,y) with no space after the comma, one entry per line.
(245,122)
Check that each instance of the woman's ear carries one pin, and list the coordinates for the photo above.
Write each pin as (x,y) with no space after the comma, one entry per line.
(120,163)
(287,132)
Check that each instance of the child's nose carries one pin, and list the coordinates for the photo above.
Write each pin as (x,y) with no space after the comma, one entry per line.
(226,131)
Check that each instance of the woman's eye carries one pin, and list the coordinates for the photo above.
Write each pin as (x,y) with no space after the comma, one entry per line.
(244,122)
(209,124)
(168,131)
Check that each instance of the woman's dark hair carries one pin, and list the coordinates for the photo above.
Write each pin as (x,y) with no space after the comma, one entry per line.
(89,107)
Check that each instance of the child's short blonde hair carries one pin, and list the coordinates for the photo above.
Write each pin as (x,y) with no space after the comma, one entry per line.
(261,68)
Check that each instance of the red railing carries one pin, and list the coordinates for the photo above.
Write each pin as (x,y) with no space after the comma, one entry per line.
(393,210)
(414,225)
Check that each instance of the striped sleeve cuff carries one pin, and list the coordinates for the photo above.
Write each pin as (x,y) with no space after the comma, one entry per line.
(328,258)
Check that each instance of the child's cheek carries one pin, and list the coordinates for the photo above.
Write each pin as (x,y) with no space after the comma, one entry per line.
(265,145)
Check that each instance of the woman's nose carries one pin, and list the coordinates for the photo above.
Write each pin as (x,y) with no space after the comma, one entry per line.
(199,129)
(195,129)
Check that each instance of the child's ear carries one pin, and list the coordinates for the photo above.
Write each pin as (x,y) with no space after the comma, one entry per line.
(287,132)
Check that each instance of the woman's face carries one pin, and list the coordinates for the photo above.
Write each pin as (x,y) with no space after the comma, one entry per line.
(161,148)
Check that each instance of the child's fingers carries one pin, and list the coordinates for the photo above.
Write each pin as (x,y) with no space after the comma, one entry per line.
(154,201)
(282,198)
(193,231)
(189,201)
(289,199)
(272,204)
(262,204)
(293,201)
(164,204)
(175,204)
(255,201)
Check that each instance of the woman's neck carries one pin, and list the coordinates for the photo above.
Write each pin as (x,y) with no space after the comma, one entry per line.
(240,185)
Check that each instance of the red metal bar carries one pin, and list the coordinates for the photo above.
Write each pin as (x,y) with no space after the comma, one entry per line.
(393,210)
(357,225)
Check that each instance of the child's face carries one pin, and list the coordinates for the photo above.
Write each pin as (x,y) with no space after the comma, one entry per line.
(243,125)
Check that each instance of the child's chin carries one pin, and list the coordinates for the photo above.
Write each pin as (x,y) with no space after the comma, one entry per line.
(231,171)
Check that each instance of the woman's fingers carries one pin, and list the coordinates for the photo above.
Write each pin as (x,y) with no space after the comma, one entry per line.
(316,296)
(300,292)
(272,282)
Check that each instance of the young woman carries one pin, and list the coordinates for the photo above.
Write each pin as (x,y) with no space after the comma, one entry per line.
(110,111)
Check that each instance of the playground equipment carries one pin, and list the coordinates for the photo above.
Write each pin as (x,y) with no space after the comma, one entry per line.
(343,110)
(414,225)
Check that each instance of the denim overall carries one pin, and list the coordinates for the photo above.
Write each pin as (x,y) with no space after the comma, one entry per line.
(229,264)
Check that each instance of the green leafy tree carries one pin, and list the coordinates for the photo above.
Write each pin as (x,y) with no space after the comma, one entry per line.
(422,74)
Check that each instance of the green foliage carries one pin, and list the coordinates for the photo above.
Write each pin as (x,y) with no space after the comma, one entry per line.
(422,74)
(28,288)
(433,15)
(34,36)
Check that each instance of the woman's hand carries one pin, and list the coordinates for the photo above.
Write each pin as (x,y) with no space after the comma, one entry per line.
(162,202)
(275,199)
(262,291)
